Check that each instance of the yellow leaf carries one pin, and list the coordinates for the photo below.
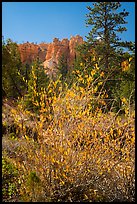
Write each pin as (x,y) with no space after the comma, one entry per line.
(111,131)
(64,176)
(86,197)
(94,58)
(79,163)
(93,72)
(125,65)
(95,89)
(98,161)
(65,153)
(130,59)
(50,91)
(27,138)
(102,74)
(62,182)
(23,79)
(53,160)
(96,66)
(95,192)
(119,131)
(77,71)
(100,83)
(126,111)
(109,170)
(124,100)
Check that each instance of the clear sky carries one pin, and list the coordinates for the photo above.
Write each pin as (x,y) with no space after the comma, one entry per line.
(42,21)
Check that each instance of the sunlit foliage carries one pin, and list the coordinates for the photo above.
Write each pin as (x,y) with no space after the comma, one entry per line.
(81,153)
(71,137)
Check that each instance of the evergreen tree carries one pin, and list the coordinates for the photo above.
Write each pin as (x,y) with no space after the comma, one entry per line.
(12,83)
(107,22)
(37,81)
(63,67)
(125,88)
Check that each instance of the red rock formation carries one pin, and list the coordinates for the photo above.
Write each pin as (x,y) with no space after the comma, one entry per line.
(74,41)
(43,47)
(65,47)
(50,53)
(56,49)
(30,51)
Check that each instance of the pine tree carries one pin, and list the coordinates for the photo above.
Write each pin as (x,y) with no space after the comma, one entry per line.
(63,67)
(106,23)
(12,83)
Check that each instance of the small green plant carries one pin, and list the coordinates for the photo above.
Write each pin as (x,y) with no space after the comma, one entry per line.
(33,178)
(9,180)
(33,186)
(12,136)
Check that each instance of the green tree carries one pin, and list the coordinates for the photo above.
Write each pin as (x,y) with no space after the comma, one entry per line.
(12,83)
(107,22)
(37,80)
(63,66)
(125,88)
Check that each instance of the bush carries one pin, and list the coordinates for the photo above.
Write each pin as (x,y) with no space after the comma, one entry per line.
(82,153)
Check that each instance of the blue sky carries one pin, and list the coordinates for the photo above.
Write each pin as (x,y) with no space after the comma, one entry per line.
(42,21)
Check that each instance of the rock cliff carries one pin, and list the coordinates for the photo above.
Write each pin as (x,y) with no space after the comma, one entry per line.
(50,53)
(30,51)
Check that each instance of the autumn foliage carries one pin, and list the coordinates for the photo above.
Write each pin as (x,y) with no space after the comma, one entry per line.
(70,137)
(76,150)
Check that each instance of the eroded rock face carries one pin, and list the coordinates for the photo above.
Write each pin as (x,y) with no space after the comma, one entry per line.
(74,41)
(29,52)
(50,53)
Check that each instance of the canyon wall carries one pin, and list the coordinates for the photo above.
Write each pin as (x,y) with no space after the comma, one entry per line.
(50,53)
